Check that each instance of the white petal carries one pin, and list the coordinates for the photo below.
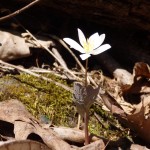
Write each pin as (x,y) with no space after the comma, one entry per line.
(101,38)
(101,49)
(82,38)
(96,40)
(84,56)
(74,44)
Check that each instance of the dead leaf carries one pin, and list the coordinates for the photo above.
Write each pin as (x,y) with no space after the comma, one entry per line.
(24,125)
(134,100)
(123,77)
(13,111)
(12,46)
(141,69)
(112,104)
(142,86)
(140,124)
(138,147)
(22,145)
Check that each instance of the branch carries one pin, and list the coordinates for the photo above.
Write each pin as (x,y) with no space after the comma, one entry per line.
(19,11)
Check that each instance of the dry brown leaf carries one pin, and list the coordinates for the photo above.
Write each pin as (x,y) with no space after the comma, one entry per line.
(138,96)
(24,124)
(22,145)
(133,100)
(113,98)
(123,77)
(140,124)
(141,69)
(12,46)
(13,111)
(138,147)
(141,86)
(138,93)
(112,104)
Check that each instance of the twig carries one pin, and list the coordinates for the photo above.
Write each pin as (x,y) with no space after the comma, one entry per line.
(36,75)
(70,51)
(99,119)
(86,70)
(56,73)
(19,11)
(43,46)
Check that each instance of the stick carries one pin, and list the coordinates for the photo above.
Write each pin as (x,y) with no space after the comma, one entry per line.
(47,49)
(19,11)
(36,75)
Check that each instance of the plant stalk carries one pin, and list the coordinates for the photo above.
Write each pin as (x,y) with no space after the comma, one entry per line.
(86,114)
(86,121)
(86,68)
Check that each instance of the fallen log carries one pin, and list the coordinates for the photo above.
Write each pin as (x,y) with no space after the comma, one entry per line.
(111,13)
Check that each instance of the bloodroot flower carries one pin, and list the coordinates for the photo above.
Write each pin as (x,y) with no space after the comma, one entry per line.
(91,46)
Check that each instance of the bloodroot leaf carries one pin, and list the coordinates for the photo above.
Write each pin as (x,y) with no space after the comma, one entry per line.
(84,96)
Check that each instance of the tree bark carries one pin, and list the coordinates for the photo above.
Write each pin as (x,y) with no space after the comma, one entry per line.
(113,13)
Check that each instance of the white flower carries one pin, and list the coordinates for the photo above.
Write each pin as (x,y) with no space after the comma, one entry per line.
(91,46)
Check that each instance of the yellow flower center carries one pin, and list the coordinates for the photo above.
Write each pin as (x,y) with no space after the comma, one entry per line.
(88,46)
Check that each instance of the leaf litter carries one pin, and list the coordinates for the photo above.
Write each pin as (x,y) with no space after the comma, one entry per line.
(129,99)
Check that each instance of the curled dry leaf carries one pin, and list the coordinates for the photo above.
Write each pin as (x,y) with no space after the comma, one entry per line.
(22,145)
(138,147)
(12,46)
(123,76)
(139,95)
(141,69)
(111,104)
(14,112)
(134,100)
(140,123)
(113,99)
(22,125)
(141,84)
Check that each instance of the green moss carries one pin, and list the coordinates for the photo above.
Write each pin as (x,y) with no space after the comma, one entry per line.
(45,98)
(105,125)
(40,97)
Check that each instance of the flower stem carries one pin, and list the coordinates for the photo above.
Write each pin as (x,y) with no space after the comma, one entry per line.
(86,68)
(86,121)
(86,114)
